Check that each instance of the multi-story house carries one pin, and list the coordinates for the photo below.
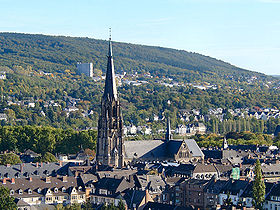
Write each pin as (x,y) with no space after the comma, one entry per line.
(48,190)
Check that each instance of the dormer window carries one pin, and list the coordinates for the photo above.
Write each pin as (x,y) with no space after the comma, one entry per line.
(29,191)
(80,188)
(39,190)
(63,189)
(55,190)
(12,192)
(20,191)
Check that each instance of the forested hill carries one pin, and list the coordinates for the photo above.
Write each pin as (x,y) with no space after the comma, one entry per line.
(58,53)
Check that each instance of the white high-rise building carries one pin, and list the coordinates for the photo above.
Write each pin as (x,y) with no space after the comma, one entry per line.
(85,68)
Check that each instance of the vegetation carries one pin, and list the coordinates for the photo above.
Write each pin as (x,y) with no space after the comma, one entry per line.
(6,201)
(25,56)
(9,158)
(235,138)
(45,139)
(258,187)
(47,158)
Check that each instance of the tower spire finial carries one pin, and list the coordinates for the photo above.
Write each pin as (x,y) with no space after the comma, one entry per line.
(110,34)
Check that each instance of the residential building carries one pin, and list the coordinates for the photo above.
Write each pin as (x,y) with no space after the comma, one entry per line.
(85,68)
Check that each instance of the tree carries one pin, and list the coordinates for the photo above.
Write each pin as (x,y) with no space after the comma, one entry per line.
(258,187)
(9,158)
(6,201)
(48,157)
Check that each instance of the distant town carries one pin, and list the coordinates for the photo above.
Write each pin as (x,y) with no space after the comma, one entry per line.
(166,173)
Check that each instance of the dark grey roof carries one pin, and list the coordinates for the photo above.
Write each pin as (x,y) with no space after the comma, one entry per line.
(134,197)
(114,185)
(215,186)
(194,148)
(158,149)
(234,186)
(161,206)
(275,191)
(173,146)
(145,149)
(248,192)
(31,170)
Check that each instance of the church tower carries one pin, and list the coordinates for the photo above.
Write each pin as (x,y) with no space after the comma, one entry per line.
(110,145)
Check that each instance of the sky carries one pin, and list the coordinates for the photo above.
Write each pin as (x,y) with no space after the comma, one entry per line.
(245,33)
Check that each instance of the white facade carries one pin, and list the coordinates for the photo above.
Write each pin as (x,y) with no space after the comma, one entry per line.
(85,68)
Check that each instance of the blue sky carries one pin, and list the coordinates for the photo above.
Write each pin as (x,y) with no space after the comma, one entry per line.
(245,33)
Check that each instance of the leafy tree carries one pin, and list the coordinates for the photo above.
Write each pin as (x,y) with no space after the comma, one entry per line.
(6,201)
(258,187)
(9,158)
(47,157)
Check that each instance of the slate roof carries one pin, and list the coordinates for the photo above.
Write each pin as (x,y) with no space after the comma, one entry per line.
(134,197)
(151,182)
(158,149)
(194,148)
(31,170)
(204,168)
(88,178)
(116,173)
(234,186)
(215,154)
(248,192)
(24,184)
(161,206)
(145,149)
(215,187)
(275,191)
(114,185)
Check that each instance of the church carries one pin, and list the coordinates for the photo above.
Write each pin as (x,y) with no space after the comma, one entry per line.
(113,151)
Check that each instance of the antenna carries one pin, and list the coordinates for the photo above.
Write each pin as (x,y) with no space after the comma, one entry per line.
(110,34)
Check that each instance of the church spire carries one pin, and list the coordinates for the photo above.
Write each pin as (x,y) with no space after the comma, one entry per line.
(110,82)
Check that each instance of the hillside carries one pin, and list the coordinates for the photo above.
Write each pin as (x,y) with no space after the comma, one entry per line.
(41,86)
(57,53)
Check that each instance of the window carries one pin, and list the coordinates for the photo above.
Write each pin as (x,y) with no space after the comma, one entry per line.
(55,190)
(39,190)
(12,192)
(29,191)
(63,189)
(20,191)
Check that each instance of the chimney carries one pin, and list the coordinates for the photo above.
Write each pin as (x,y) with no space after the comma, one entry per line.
(37,165)
(41,164)
(147,178)
(60,163)
(21,168)
(48,179)
(76,174)
(13,181)
(64,179)
(8,165)
(4,181)
(30,179)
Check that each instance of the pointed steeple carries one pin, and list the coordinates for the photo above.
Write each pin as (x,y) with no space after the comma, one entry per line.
(110,82)
(168,135)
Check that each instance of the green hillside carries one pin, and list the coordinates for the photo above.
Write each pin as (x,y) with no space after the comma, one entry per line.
(57,53)
(24,56)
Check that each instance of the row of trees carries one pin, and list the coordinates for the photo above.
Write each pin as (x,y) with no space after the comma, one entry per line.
(236,138)
(242,124)
(45,139)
